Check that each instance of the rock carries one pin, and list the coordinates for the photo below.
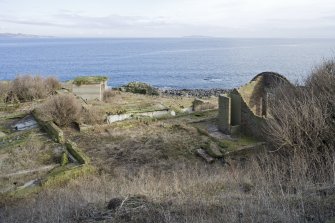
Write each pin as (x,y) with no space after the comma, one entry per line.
(173,113)
(202,153)
(26,123)
(117,118)
(194,92)
(214,151)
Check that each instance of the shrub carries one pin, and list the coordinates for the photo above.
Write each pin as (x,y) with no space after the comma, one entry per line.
(29,88)
(140,88)
(52,84)
(4,89)
(63,109)
(302,126)
(92,115)
(108,95)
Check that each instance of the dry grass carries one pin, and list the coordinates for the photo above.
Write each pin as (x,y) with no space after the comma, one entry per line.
(188,193)
(124,102)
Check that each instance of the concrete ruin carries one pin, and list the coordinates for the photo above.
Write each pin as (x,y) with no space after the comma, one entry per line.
(90,88)
(244,109)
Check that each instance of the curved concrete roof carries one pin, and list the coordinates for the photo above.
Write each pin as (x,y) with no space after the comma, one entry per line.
(271,78)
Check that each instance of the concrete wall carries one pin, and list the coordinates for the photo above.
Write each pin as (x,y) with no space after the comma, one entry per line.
(251,124)
(90,92)
(224,117)
(235,109)
(252,94)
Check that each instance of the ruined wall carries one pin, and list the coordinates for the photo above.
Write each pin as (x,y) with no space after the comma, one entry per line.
(252,94)
(235,108)
(49,126)
(251,125)
(89,92)
(243,119)
(224,117)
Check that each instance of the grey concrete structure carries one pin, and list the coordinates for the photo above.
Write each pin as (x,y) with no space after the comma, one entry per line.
(245,109)
(90,91)
(224,114)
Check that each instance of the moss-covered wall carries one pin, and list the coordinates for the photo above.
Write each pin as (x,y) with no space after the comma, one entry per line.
(79,155)
(252,94)
(50,127)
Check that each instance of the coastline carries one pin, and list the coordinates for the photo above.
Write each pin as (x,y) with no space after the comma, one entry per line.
(201,93)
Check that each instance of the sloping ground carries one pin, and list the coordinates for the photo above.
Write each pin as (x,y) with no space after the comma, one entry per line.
(24,155)
(123,102)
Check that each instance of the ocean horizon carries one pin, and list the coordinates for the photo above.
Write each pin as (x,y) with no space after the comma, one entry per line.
(191,63)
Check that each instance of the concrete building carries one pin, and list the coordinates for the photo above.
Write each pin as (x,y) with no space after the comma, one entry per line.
(90,88)
(244,109)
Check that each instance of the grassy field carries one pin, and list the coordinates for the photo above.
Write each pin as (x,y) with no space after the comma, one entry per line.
(147,170)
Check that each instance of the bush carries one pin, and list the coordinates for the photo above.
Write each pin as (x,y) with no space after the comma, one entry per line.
(4,89)
(52,84)
(29,88)
(109,94)
(140,88)
(92,115)
(302,127)
(62,109)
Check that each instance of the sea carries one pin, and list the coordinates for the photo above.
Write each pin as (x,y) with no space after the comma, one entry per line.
(177,63)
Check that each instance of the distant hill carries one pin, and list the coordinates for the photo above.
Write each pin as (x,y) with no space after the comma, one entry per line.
(21,35)
(197,36)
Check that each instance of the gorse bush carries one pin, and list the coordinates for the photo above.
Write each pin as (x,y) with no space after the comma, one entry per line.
(28,88)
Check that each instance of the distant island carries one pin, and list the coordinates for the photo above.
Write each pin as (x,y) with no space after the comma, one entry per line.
(21,35)
(198,36)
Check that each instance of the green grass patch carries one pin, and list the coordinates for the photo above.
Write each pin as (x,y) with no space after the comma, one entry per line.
(89,80)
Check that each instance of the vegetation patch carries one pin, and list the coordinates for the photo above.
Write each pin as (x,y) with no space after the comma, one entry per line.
(89,80)
(79,155)
(140,88)
(62,175)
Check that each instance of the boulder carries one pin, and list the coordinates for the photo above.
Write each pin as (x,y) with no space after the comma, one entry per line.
(214,151)
(202,153)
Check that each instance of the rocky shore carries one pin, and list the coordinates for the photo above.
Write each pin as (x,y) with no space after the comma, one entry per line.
(201,93)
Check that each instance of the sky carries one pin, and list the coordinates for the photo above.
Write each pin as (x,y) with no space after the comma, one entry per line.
(170,18)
